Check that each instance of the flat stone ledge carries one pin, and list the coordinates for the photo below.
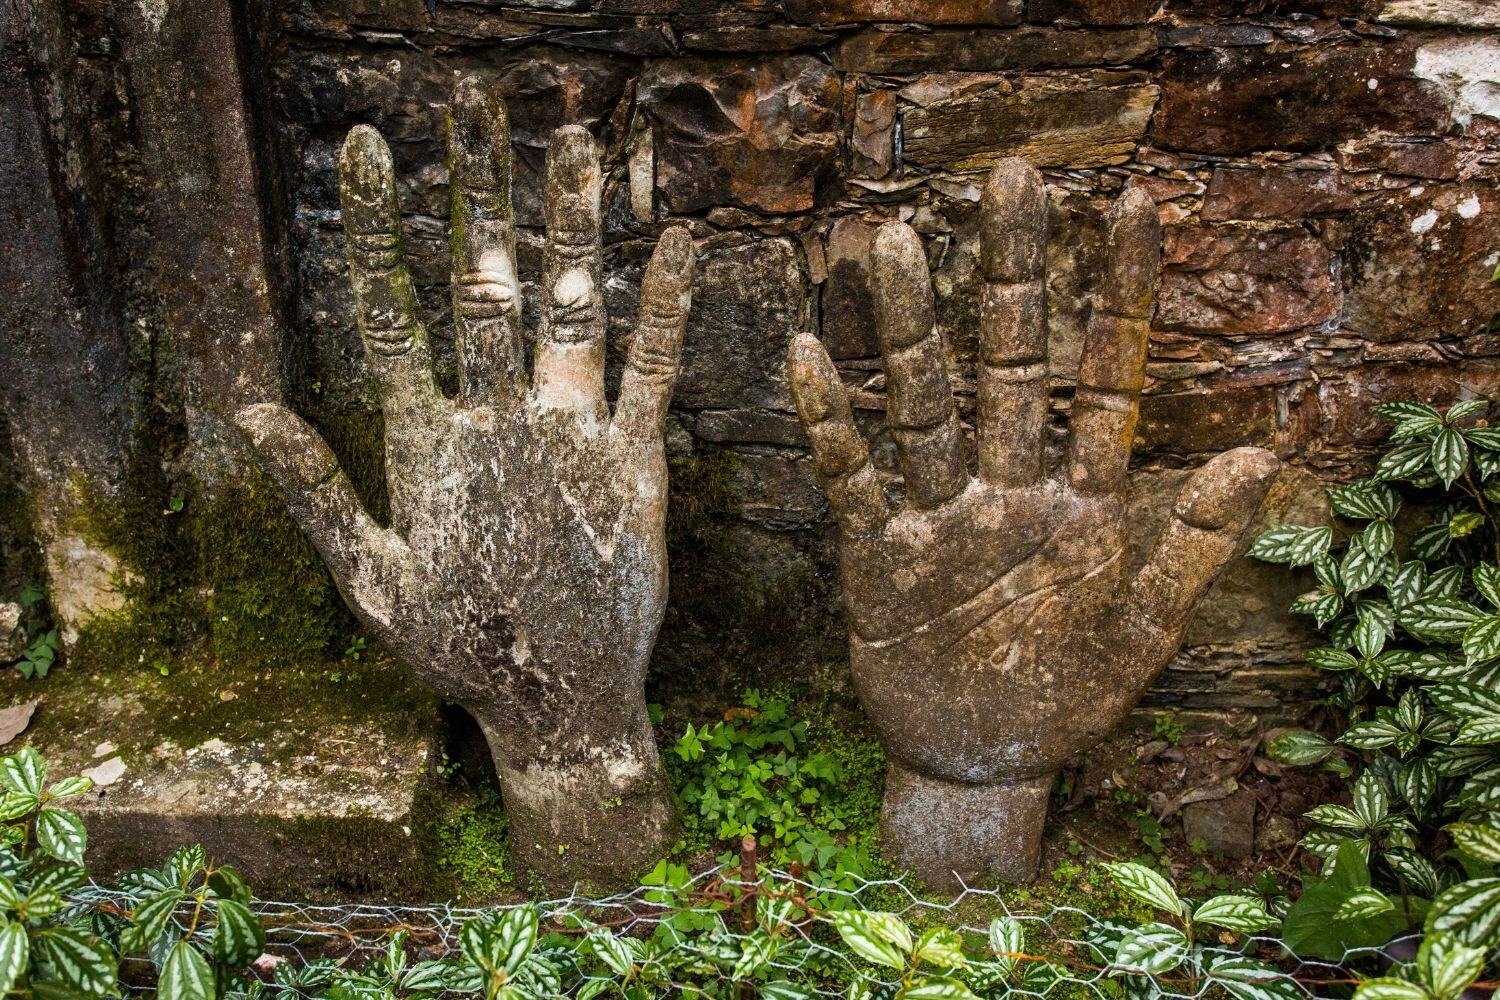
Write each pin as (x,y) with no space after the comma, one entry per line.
(303,791)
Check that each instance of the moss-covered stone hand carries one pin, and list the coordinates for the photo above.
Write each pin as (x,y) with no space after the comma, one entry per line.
(524,573)
(996,628)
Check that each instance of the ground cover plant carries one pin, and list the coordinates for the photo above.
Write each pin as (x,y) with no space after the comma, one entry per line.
(190,930)
(1407,596)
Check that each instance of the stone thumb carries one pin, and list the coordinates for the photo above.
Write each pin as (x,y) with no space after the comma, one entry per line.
(1205,530)
(318,494)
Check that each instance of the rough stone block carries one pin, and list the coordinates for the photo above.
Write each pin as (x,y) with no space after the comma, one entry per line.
(1430,159)
(749,427)
(302,778)
(1093,12)
(757,134)
(1228,280)
(1019,48)
(848,308)
(1339,413)
(1244,99)
(1453,13)
(873,140)
(933,12)
(1207,421)
(1419,268)
(1273,193)
(1226,826)
(1051,121)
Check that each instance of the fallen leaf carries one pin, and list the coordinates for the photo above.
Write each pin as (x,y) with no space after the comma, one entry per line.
(107,773)
(15,719)
(1211,792)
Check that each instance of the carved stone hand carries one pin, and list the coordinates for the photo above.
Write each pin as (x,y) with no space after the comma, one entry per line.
(995,627)
(524,572)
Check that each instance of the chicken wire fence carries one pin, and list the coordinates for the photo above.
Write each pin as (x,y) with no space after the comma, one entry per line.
(1069,942)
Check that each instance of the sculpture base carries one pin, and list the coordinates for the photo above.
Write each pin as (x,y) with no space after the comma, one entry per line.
(594,823)
(952,834)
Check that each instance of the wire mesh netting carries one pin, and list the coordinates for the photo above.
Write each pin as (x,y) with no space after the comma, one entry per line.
(711,925)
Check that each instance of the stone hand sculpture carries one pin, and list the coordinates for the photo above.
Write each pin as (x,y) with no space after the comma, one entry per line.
(995,626)
(524,572)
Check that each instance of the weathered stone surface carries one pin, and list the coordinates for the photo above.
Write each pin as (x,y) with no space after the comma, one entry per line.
(996,627)
(754,134)
(62,344)
(1216,35)
(747,38)
(934,12)
(1418,268)
(748,427)
(876,51)
(1243,99)
(1275,193)
(748,304)
(1428,159)
(848,309)
(1467,70)
(1229,280)
(1051,121)
(12,638)
(537,617)
(213,272)
(1197,422)
(1338,415)
(778,492)
(873,141)
(1224,826)
(1454,13)
(282,793)
(1093,12)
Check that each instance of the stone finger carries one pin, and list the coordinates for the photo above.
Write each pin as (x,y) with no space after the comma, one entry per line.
(919,401)
(1012,410)
(1106,405)
(569,372)
(840,459)
(1207,525)
(656,352)
(385,302)
(362,556)
(486,292)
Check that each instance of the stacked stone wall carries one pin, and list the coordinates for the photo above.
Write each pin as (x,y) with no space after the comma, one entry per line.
(1326,173)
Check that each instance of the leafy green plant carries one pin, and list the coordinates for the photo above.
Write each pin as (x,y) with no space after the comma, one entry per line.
(753,774)
(1168,729)
(41,640)
(47,947)
(1414,641)
(194,925)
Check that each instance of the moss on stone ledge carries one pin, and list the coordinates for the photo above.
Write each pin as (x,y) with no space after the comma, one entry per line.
(229,571)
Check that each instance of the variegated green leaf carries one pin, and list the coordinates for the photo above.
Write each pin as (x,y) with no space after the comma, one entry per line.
(1146,885)
(1245,914)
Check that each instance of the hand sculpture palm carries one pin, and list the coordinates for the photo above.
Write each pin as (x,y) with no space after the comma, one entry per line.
(524,573)
(995,627)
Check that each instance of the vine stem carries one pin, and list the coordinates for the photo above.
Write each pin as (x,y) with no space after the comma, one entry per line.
(1474,491)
